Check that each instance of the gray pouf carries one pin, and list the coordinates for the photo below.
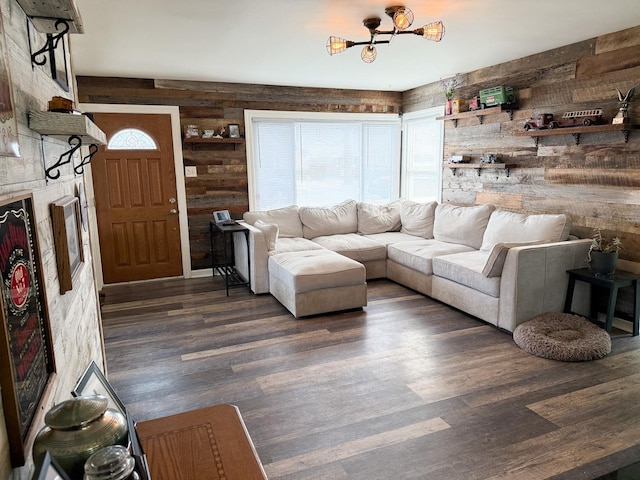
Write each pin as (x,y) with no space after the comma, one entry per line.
(562,336)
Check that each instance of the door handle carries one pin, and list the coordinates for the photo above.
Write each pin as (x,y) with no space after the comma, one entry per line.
(172,200)
(173,211)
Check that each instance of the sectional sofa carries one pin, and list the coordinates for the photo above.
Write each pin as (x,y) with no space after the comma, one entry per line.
(500,266)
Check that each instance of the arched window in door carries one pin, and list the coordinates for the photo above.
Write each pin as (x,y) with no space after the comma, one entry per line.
(131,139)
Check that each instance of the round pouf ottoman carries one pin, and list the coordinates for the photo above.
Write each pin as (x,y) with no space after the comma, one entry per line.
(562,336)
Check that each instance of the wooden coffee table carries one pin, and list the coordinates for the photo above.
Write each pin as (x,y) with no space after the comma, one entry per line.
(209,443)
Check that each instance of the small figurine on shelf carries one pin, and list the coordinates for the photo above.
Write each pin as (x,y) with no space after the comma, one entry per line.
(191,131)
(490,158)
(623,116)
(222,132)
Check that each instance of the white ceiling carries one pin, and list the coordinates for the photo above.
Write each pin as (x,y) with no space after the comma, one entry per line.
(282,42)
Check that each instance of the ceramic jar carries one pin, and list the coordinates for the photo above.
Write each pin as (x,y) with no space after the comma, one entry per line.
(77,428)
(111,463)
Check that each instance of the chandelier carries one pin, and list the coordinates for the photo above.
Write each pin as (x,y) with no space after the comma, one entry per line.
(402,19)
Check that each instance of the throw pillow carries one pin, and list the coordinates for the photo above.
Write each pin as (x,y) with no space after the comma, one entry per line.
(320,221)
(417,218)
(495,261)
(286,218)
(461,225)
(378,218)
(270,232)
(512,227)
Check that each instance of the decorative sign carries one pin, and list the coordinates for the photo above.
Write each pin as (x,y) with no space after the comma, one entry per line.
(26,356)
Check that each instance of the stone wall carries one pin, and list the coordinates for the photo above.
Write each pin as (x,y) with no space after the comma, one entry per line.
(74,317)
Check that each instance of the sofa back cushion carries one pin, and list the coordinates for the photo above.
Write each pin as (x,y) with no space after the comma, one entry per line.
(417,218)
(512,227)
(319,221)
(463,225)
(286,218)
(378,218)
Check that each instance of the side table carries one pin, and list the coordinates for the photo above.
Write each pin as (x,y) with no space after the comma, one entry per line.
(227,268)
(612,283)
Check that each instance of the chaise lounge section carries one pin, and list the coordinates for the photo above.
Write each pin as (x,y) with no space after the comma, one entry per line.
(502,267)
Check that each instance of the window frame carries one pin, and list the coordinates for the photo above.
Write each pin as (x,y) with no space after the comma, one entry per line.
(251,115)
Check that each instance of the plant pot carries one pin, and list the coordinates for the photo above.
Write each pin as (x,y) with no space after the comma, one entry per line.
(602,263)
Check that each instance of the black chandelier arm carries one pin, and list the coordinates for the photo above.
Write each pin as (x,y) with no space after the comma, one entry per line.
(52,42)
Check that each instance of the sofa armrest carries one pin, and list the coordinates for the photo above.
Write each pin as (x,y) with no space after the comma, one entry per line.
(257,252)
(534,279)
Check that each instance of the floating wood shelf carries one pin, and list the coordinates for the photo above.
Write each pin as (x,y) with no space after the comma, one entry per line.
(480,113)
(75,130)
(480,166)
(577,131)
(198,140)
(45,13)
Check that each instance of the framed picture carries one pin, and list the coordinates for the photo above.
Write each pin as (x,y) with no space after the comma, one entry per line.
(93,382)
(65,216)
(234,130)
(222,217)
(82,202)
(58,62)
(142,467)
(8,123)
(49,469)
(26,348)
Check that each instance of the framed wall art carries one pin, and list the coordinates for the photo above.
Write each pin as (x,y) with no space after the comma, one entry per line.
(234,130)
(8,123)
(26,349)
(93,382)
(65,216)
(58,62)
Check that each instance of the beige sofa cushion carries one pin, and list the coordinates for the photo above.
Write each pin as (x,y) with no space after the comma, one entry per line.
(466,269)
(387,238)
(463,225)
(378,218)
(297,244)
(417,218)
(419,254)
(286,218)
(354,246)
(512,227)
(319,221)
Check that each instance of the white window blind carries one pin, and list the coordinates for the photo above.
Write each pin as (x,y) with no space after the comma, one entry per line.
(321,159)
(422,155)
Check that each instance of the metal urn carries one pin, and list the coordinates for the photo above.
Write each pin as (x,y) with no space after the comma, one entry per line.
(77,428)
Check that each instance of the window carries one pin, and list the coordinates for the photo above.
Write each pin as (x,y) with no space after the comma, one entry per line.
(422,150)
(131,139)
(321,159)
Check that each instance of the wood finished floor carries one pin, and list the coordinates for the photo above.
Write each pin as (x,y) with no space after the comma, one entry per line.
(406,388)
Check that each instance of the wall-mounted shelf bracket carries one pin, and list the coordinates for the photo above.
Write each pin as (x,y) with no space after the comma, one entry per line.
(79,169)
(53,40)
(75,142)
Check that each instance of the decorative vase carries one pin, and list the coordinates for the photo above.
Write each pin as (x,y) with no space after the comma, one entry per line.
(603,263)
(77,428)
(448,107)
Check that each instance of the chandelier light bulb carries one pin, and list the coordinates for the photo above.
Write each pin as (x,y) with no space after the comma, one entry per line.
(369,54)
(434,31)
(403,18)
(336,45)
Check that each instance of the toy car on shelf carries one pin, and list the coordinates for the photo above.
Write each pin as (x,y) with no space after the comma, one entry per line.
(576,118)
(492,97)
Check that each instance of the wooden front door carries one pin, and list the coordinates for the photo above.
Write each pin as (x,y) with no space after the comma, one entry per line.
(136,200)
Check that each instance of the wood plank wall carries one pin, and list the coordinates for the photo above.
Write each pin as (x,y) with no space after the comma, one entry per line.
(595,182)
(222,169)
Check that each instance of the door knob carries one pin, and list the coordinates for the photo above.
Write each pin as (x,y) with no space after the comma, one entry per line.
(172,200)
(173,211)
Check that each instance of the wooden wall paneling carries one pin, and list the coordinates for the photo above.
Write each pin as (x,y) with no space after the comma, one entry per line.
(617,40)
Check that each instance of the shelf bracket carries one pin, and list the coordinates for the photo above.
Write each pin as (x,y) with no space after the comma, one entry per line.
(480,118)
(79,169)
(625,134)
(479,170)
(453,171)
(510,112)
(507,170)
(75,142)
(576,137)
(52,43)
(455,122)
(536,140)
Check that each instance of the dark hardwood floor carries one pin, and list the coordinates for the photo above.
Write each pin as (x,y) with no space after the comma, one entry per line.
(406,388)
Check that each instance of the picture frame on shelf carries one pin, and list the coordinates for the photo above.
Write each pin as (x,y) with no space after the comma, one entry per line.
(67,235)
(49,469)
(93,382)
(25,380)
(234,130)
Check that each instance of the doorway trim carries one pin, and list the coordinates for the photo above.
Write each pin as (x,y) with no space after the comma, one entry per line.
(178,161)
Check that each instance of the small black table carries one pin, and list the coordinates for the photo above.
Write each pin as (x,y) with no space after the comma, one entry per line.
(227,268)
(612,283)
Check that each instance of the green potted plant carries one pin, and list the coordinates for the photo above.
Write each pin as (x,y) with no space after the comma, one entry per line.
(603,253)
